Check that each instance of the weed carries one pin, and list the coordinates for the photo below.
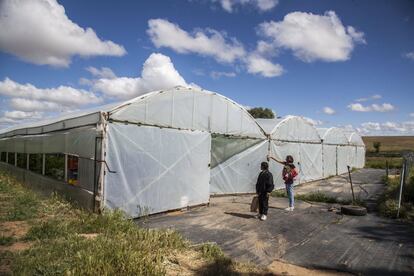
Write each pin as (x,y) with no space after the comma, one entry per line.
(49,229)
(317,197)
(211,251)
(278,193)
(6,240)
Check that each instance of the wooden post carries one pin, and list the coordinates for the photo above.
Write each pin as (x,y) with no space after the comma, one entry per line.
(352,187)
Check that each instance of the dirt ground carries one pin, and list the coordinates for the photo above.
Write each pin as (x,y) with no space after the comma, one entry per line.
(310,237)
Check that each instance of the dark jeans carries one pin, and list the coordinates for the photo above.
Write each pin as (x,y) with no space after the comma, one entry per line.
(263,204)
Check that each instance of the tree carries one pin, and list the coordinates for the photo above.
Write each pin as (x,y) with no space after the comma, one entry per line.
(377,146)
(260,112)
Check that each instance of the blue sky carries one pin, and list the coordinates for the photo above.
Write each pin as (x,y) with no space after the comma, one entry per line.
(340,63)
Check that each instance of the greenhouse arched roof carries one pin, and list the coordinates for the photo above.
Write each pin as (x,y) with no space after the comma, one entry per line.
(290,129)
(179,107)
(333,135)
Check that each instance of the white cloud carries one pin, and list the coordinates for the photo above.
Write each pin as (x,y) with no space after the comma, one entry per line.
(257,64)
(64,95)
(21,115)
(39,31)
(104,72)
(207,42)
(373,97)
(30,102)
(158,73)
(261,5)
(411,114)
(217,74)
(388,128)
(313,37)
(85,82)
(35,105)
(313,122)
(410,55)
(385,107)
(215,44)
(328,110)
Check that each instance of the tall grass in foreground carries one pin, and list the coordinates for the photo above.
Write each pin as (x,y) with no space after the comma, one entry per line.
(388,202)
(64,240)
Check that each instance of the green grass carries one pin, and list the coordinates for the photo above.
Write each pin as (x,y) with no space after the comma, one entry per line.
(313,197)
(22,205)
(211,251)
(69,241)
(388,202)
(379,162)
(5,240)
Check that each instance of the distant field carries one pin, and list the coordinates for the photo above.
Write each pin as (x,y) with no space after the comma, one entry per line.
(390,143)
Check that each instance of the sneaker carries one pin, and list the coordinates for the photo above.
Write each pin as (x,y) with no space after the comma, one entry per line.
(292,208)
(287,209)
(263,217)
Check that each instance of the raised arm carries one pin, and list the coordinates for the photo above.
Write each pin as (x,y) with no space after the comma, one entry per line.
(274,158)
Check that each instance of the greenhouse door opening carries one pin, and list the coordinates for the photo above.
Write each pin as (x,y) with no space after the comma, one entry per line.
(157,169)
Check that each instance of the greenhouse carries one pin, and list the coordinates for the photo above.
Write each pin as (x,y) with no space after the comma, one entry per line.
(168,150)
(294,136)
(161,151)
(356,150)
(334,148)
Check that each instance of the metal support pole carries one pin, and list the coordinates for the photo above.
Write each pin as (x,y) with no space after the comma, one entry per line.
(352,187)
(402,178)
(43,164)
(66,169)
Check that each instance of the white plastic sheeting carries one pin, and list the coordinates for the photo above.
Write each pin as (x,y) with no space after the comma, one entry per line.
(188,108)
(360,157)
(355,139)
(290,129)
(239,173)
(333,136)
(297,137)
(157,169)
(329,160)
(357,153)
(179,107)
(280,150)
(311,167)
(79,141)
(343,159)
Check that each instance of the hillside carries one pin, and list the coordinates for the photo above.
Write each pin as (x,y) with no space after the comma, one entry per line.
(390,143)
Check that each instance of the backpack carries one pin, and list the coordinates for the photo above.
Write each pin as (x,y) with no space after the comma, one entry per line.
(289,173)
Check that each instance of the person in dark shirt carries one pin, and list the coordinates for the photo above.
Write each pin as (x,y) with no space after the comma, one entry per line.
(288,174)
(264,187)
